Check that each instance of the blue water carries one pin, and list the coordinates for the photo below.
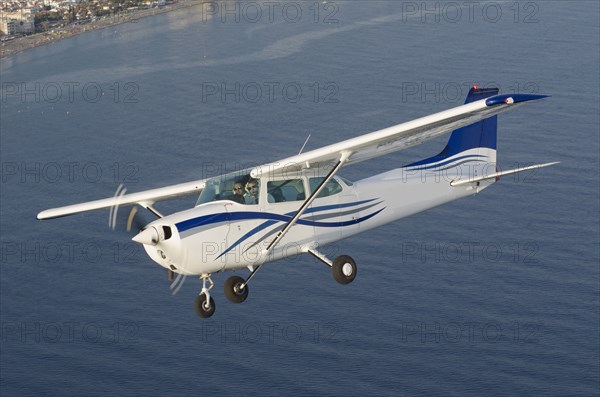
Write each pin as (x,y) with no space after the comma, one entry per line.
(493,295)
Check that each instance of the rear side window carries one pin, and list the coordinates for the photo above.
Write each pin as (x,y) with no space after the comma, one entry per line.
(332,187)
(285,190)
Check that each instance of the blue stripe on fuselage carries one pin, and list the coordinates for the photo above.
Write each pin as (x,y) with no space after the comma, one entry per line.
(246,215)
(302,222)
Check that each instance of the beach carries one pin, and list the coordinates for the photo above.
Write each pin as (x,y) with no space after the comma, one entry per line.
(12,47)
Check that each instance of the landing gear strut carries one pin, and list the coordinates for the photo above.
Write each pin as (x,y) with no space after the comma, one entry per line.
(204,303)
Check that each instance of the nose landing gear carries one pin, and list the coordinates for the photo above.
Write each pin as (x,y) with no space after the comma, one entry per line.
(204,303)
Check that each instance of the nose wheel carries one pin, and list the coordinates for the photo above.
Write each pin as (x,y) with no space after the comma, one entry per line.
(204,307)
(204,303)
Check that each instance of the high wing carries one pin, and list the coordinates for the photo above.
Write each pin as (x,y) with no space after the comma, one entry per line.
(347,152)
(144,198)
(397,137)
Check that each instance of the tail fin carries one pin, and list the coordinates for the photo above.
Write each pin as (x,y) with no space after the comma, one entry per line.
(480,135)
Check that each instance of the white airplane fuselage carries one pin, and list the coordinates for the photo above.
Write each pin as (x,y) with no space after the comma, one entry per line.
(298,204)
(224,235)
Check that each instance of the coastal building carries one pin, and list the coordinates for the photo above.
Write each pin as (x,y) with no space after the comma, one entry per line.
(17,22)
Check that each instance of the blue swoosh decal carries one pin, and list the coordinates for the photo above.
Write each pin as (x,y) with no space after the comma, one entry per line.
(273,218)
(245,215)
(302,222)
(445,162)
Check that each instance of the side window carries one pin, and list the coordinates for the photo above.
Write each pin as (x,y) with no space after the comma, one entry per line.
(332,187)
(286,190)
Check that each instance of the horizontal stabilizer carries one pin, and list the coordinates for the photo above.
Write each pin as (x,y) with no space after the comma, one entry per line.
(499,174)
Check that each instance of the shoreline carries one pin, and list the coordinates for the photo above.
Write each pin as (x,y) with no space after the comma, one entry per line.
(21,44)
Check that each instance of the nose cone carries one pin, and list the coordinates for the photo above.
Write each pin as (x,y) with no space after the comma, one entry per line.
(148,236)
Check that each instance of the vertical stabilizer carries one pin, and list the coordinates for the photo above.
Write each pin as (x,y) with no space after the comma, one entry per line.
(480,135)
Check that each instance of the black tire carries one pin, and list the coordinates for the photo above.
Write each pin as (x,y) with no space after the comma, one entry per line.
(344,269)
(200,306)
(232,292)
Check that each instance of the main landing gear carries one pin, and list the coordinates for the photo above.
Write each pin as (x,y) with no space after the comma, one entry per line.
(236,289)
(343,269)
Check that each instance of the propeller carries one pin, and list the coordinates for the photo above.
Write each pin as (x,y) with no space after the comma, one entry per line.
(133,222)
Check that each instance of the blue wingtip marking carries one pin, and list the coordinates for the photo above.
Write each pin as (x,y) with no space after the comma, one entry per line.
(517,98)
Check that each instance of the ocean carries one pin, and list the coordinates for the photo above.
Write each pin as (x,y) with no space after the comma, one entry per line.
(496,294)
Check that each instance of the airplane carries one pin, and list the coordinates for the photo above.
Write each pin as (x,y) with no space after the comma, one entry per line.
(250,217)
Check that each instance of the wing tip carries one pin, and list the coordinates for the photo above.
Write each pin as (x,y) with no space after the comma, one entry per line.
(49,214)
(44,215)
(513,98)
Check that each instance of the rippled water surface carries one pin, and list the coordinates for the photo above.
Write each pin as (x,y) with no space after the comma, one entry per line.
(493,295)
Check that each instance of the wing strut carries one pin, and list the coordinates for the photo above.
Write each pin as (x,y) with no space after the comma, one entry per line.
(343,158)
(149,207)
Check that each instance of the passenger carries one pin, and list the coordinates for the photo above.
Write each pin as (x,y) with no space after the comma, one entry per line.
(251,195)
(238,193)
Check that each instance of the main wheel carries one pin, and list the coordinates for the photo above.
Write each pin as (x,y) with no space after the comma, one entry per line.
(203,308)
(344,269)
(233,291)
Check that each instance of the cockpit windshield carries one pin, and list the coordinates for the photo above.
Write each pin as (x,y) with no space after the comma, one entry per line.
(237,186)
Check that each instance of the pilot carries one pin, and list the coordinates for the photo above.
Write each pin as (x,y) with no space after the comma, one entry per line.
(238,193)
(251,195)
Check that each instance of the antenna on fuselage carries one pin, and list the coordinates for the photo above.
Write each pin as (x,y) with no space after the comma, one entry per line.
(305,142)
